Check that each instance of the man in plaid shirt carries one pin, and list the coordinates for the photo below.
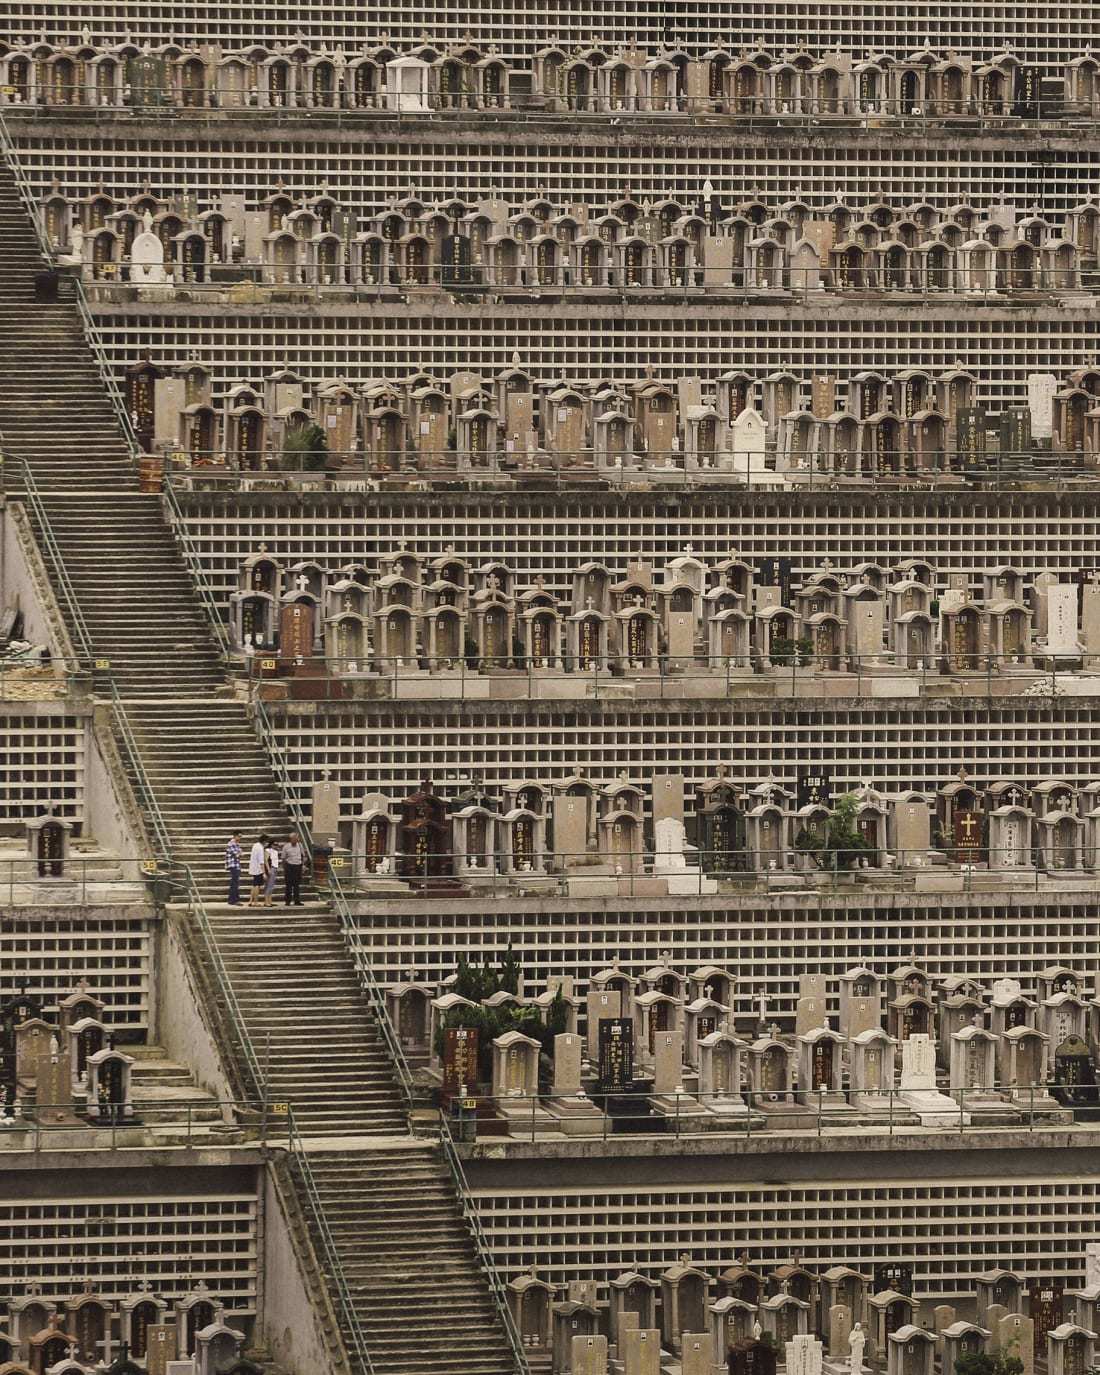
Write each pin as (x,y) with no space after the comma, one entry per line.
(233,868)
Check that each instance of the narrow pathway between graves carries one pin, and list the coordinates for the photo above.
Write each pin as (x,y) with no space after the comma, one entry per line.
(422,1303)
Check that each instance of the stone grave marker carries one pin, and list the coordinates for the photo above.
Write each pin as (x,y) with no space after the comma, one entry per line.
(668,796)
(681,638)
(53,1078)
(325,814)
(912,833)
(1061,636)
(805,1355)
(864,1014)
(668,1059)
(567,1065)
(991,1319)
(823,396)
(809,1014)
(1090,628)
(570,831)
(160,1347)
(867,627)
(588,1355)
(1043,582)
(460,1053)
(840,1326)
(813,985)
(640,1351)
(1015,1335)
(296,632)
(147,259)
(695,1353)
(1041,387)
(943,1315)
(616,1053)
(1045,1308)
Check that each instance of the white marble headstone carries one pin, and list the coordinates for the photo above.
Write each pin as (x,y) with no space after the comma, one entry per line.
(1041,387)
(918,1063)
(147,259)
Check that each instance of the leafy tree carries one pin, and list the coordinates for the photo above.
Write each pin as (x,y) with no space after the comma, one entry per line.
(841,844)
(305,447)
(479,982)
(798,653)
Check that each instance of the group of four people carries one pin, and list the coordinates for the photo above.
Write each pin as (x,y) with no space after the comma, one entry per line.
(264,861)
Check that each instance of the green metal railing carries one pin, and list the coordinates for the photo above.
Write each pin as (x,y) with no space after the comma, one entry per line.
(376,1001)
(33,499)
(194,563)
(330,1256)
(230,1008)
(481,1245)
(91,333)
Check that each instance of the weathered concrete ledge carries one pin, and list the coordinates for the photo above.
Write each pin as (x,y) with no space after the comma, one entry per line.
(333,304)
(862,1140)
(509,129)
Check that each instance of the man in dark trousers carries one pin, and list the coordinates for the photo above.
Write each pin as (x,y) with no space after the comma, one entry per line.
(233,868)
(293,858)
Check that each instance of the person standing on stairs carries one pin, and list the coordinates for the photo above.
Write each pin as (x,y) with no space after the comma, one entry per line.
(257,871)
(233,868)
(293,859)
(271,869)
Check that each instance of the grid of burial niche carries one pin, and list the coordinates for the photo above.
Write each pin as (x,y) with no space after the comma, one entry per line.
(553,536)
(949,1232)
(41,765)
(1041,34)
(46,954)
(988,937)
(365,174)
(1002,353)
(389,749)
(170,1239)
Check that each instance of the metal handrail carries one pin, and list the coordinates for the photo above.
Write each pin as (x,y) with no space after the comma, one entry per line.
(376,1001)
(481,1245)
(195,566)
(107,377)
(331,1256)
(371,987)
(352,940)
(143,787)
(33,498)
(23,186)
(91,333)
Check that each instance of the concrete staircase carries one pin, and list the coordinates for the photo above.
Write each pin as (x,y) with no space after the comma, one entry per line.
(406,1251)
(307,1020)
(395,1215)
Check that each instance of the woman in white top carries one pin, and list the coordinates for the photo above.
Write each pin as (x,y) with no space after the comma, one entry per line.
(257,871)
(271,870)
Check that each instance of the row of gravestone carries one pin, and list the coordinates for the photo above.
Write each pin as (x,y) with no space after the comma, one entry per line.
(64,1071)
(743,1331)
(141,1332)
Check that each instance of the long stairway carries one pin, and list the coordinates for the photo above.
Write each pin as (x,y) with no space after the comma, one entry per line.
(304,1009)
(290,973)
(389,1210)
